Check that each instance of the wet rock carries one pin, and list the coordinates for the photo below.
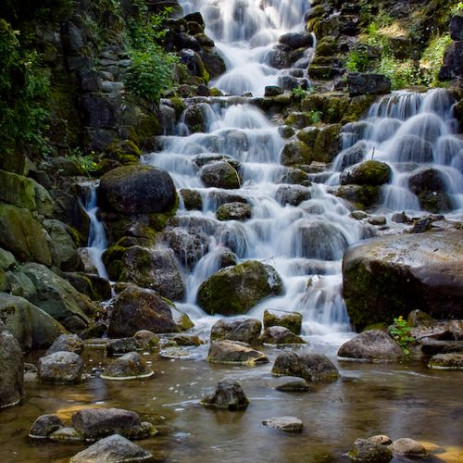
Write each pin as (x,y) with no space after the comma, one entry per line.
(430,188)
(366,451)
(371,172)
(234,211)
(389,276)
(285,423)
(66,434)
(67,343)
(11,360)
(381,439)
(320,240)
(292,194)
(278,58)
(191,199)
(290,320)
(290,384)
(114,449)
(136,309)
(30,325)
(234,352)
(58,298)
(44,425)
(312,367)
(146,340)
(296,40)
(377,220)
(296,152)
(220,174)
(243,329)
(155,269)
(196,117)
(285,131)
(353,155)
(137,190)
(446,362)
(122,346)
(408,448)
(129,366)
(362,84)
(235,290)
(229,395)
(430,347)
(273,90)
(327,143)
(279,335)
(371,345)
(362,196)
(213,61)
(61,368)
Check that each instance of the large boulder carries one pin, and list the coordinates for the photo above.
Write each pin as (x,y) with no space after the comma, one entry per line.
(235,290)
(23,235)
(234,352)
(155,269)
(390,276)
(58,298)
(137,190)
(30,325)
(310,366)
(373,345)
(220,174)
(296,152)
(453,62)
(136,309)
(11,360)
(114,449)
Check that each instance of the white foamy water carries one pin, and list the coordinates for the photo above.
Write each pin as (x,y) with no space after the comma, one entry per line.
(245,31)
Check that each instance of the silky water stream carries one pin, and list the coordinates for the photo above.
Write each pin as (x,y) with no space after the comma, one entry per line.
(305,244)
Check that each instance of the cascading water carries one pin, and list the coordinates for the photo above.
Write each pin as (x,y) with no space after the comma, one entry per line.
(246,32)
(97,242)
(415,134)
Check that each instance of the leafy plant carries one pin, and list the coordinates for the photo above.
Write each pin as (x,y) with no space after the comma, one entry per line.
(400,331)
(315,116)
(357,61)
(299,92)
(432,58)
(151,69)
(457,9)
(85,162)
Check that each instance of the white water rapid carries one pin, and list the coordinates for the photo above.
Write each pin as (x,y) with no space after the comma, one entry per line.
(97,243)
(246,32)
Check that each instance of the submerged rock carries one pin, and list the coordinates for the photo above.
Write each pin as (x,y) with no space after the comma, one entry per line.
(390,276)
(129,366)
(229,395)
(312,367)
(44,425)
(113,449)
(447,361)
(285,423)
(234,352)
(368,451)
(371,345)
(235,290)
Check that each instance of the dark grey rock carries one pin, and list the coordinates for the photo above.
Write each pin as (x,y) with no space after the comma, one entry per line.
(61,368)
(366,84)
(67,343)
(44,425)
(12,364)
(229,395)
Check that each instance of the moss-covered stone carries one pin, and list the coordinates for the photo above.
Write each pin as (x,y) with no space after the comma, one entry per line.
(191,199)
(235,290)
(361,196)
(22,235)
(327,143)
(295,153)
(370,172)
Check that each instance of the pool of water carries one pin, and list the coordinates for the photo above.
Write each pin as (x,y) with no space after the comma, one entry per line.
(400,400)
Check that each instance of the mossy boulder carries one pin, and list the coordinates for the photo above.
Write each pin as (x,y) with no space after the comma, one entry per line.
(30,325)
(368,451)
(387,277)
(328,143)
(61,368)
(220,174)
(234,211)
(191,199)
(361,196)
(136,309)
(296,152)
(290,320)
(237,329)
(370,172)
(137,189)
(23,235)
(235,290)
(58,298)
(155,269)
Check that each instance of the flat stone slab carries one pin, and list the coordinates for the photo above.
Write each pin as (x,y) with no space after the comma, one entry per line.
(446,362)
(285,423)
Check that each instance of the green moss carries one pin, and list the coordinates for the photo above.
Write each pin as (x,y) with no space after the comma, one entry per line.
(178,105)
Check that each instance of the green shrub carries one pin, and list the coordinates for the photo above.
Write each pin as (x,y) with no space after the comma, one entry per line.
(400,331)
(432,58)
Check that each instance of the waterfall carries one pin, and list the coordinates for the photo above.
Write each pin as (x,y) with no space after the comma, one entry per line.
(97,242)
(415,134)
